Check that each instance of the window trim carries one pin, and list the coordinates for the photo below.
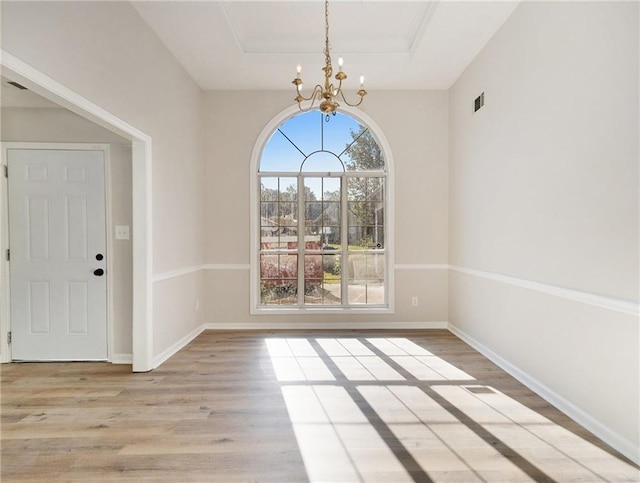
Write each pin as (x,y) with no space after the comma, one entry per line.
(254,199)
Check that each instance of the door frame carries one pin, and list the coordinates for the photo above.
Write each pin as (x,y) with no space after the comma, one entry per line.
(104,148)
(142,225)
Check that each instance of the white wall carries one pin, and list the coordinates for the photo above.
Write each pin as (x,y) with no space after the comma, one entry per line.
(105,52)
(544,189)
(62,126)
(416,127)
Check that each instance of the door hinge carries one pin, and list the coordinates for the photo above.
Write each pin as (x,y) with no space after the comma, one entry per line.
(8,254)
(6,170)
(9,338)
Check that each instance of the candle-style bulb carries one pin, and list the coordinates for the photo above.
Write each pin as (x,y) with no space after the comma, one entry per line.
(361,81)
(340,62)
(298,69)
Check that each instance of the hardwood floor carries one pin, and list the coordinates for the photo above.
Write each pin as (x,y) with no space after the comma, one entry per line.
(291,407)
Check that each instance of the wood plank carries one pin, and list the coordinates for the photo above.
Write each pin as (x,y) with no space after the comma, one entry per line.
(216,412)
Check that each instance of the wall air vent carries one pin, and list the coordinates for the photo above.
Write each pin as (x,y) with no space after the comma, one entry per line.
(19,86)
(478,103)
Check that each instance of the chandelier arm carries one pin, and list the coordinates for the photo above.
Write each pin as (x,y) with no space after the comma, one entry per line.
(348,103)
(338,90)
(315,95)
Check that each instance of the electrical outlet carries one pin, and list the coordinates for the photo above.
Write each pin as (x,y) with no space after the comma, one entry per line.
(122,232)
(414,301)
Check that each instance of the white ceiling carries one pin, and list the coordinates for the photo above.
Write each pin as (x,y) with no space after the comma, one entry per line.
(416,44)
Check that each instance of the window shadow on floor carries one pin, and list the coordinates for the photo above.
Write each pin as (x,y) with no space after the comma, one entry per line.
(389,409)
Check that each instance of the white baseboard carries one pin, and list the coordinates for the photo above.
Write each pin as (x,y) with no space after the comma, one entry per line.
(326,325)
(161,358)
(618,442)
(121,358)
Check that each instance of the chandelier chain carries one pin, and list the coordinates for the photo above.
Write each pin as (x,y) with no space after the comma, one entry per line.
(327,51)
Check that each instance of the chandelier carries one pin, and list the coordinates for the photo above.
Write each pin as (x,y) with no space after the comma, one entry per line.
(328,94)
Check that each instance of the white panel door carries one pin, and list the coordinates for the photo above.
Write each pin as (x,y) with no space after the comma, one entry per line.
(57,240)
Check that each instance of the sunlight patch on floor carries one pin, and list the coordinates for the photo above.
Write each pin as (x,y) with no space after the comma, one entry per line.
(558,452)
(336,441)
(386,409)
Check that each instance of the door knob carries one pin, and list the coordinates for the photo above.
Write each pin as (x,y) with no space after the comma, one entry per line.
(99,272)
(99,256)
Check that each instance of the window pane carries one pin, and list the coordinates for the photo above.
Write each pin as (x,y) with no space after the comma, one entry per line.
(313,238)
(269,267)
(313,189)
(366,266)
(360,213)
(283,293)
(331,213)
(269,239)
(288,238)
(288,188)
(313,278)
(378,236)
(268,189)
(322,161)
(365,153)
(288,213)
(369,292)
(277,267)
(322,279)
(323,217)
(280,155)
(268,212)
(338,132)
(366,279)
(366,224)
(331,189)
(377,209)
(278,279)
(375,189)
(313,267)
(304,132)
(356,238)
(331,238)
(313,212)
(332,267)
(357,189)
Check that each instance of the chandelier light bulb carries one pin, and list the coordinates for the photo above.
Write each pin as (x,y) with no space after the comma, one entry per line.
(361,81)
(340,62)
(298,69)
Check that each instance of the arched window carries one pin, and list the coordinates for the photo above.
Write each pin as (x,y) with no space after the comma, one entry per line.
(323,201)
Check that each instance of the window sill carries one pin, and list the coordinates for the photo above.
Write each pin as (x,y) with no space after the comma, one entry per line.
(322,310)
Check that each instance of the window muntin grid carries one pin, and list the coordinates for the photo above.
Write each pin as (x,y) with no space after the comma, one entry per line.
(322,204)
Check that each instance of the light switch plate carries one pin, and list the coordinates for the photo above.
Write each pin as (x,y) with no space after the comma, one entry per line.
(122,232)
